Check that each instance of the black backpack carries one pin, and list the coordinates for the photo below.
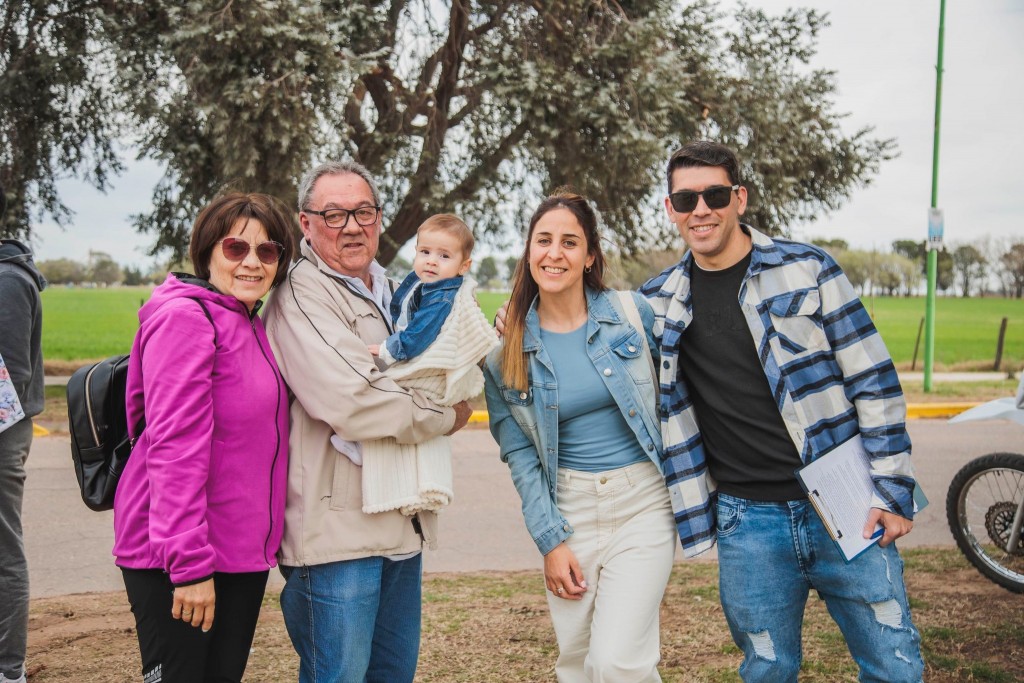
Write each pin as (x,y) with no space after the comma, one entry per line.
(100,444)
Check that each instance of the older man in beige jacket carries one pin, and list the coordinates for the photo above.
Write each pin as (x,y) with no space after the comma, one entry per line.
(351,601)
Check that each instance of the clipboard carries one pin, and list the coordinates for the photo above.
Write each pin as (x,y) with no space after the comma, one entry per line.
(11,411)
(840,489)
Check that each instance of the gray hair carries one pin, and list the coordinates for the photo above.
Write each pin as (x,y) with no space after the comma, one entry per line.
(334,168)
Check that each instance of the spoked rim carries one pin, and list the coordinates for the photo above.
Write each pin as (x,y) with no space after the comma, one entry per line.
(982,508)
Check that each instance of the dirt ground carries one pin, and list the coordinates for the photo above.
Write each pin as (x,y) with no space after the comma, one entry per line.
(491,627)
(495,627)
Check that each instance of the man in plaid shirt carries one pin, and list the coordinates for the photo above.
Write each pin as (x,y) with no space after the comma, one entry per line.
(769,361)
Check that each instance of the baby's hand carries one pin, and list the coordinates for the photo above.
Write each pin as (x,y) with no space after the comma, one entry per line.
(374,349)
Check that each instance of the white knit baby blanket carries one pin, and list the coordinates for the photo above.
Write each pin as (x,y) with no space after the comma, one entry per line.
(414,477)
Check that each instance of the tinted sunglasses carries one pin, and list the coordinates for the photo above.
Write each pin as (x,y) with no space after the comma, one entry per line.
(268,252)
(717,197)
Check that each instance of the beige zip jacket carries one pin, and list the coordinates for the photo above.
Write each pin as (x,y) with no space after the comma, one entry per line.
(319,329)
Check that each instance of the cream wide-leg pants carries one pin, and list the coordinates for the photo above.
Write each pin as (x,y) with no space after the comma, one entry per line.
(624,539)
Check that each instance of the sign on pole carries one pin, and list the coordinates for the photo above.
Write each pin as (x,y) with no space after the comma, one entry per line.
(936,224)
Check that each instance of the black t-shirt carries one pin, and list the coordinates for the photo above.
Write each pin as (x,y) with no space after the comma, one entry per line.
(750,453)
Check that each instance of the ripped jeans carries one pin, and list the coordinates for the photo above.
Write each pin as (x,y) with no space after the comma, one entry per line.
(771,555)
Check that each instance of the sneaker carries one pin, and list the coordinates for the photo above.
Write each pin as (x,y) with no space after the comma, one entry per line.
(20,679)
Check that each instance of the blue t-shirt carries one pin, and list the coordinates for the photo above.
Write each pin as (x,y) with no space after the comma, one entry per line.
(593,436)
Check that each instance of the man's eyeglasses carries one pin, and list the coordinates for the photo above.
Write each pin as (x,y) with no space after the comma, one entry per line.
(717,197)
(338,218)
(235,249)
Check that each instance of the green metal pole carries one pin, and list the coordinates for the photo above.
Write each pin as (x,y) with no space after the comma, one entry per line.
(933,255)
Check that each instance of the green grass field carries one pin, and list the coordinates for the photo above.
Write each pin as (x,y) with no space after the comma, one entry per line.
(966,330)
(490,302)
(94,323)
(90,323)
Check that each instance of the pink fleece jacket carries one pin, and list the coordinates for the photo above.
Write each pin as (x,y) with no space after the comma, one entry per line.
(204,489)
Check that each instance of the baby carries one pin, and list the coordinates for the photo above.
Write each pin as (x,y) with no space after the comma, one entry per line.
(440,337)
(421,304)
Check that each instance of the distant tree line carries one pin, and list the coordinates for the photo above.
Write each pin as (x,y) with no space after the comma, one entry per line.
(984,266)
(101,270)
(976,268)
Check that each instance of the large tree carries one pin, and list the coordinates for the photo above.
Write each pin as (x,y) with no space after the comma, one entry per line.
(57,110)
(227,95)
(481,106)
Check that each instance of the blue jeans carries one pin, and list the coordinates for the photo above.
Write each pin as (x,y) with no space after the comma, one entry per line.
(771,554)
(356,621)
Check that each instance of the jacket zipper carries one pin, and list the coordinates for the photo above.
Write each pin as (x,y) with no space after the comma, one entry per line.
(277,442)
(88,405)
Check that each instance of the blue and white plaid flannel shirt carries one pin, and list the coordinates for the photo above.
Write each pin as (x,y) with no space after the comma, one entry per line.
(825,362)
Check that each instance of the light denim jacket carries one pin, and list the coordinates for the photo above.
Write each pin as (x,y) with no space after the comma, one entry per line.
(426,308)
(525,423)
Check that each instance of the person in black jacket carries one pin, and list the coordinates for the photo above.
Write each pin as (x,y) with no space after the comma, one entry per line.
(21,319)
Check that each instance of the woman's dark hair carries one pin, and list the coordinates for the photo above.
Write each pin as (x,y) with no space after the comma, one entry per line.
(217,219)
(514,368)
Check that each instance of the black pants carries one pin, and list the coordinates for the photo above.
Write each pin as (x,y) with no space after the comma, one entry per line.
(173,651)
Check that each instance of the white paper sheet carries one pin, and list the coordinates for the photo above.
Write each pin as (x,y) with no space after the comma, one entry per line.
(10,406)
(839,486)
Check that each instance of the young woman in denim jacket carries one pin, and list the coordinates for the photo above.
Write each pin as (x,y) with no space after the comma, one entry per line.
(572,406)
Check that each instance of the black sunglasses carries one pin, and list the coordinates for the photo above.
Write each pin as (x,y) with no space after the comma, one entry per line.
(268,252)
(717,197)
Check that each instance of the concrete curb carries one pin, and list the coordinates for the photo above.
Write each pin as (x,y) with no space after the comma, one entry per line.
(915,411)
(937,410)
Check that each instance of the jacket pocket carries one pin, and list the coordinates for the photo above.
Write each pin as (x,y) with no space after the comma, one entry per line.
(630,349)
(363,321)
(520,404)
(339,482)
(219,473)
(796,317)
(728,516)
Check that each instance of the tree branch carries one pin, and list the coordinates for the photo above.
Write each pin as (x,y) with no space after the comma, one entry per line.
(487,164)
(473,99)
(485,27)
(353,114)
(549,19)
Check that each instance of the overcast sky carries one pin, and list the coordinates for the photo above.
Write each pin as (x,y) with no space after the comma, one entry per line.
(884,53)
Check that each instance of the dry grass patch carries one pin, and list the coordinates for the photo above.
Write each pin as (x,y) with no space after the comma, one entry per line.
(491,627)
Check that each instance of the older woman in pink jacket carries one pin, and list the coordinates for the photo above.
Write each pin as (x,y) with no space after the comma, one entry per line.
(198,513)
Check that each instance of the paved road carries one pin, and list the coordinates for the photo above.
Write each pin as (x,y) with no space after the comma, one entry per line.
(69,545)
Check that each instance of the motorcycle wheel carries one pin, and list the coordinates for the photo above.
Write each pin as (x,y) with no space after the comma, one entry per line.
(981,504)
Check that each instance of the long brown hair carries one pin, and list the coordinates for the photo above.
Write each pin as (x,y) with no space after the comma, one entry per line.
(514,364)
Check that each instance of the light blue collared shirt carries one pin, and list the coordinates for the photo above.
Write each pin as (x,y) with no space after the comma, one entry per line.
(381,292)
